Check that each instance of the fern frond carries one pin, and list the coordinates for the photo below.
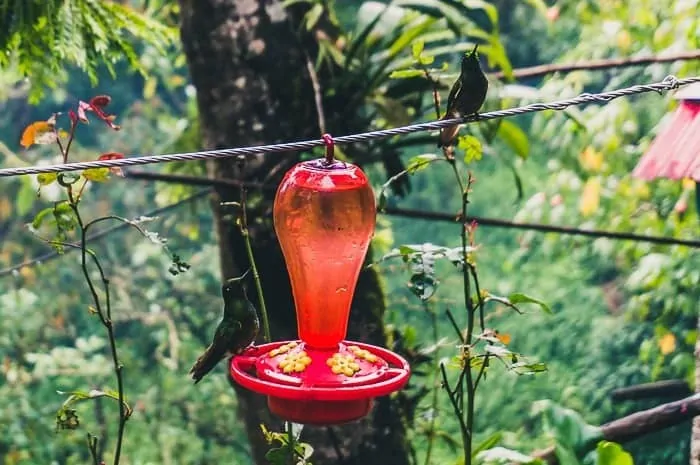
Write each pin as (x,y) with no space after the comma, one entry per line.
(41,38)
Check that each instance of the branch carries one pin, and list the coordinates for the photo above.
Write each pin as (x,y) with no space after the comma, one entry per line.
(594,65)
(640,424)
(669,388)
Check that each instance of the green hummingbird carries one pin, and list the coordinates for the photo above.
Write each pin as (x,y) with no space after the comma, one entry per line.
(237,330)
(466,96)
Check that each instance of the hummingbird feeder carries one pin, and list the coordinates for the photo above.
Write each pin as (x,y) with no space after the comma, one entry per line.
(324,216)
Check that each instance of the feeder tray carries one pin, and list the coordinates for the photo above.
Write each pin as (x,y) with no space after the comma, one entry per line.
(324,215)
(330,386)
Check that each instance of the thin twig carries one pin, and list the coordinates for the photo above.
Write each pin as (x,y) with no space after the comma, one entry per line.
(107,323)
(457,411)
(318,98)
(482,370)
(480,298)
(459,332)
(251,258)
(336,444)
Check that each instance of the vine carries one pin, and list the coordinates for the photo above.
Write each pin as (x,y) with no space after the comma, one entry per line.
(67,220)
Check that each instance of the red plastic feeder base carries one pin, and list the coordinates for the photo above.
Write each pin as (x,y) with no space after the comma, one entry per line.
(320,387)
(319,412)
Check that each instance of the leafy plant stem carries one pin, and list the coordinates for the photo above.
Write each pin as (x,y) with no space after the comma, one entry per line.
(243,224)
(106,319)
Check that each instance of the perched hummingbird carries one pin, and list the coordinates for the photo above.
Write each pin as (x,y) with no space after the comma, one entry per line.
(237,329)
(466,96)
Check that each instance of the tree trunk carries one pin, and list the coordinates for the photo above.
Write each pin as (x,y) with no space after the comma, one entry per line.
(248,67)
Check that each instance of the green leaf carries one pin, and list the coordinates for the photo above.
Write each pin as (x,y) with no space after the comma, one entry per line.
(490,10)
(528,368)
(502,455)
(65,216)
(610,453)
(381,200)
(497,351)
(419,162)
(565,454)
(277,455)
(406,73)
(39,217)
(471,146)
(487,443)
(417,48)
(518,298)
(423,285)
(426,59)
(45,179)
(567,426)
(25,198)
(67,179)
(313,16)
(96,174)
(408,36)
(518,182)
(515,138)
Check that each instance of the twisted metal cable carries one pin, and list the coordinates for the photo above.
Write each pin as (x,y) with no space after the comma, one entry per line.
(668,83)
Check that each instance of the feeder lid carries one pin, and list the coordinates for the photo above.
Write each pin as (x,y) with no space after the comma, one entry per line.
(320,175)
(297,364)
(293,370)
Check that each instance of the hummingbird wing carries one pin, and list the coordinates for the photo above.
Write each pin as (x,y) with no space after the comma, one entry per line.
(452,98)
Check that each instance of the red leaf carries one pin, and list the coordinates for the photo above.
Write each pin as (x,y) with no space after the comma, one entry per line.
(96,105)
(113,156)
(82,108)
(100,101)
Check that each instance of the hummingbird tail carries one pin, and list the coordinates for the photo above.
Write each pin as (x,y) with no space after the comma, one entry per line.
(448,135)
(204,364)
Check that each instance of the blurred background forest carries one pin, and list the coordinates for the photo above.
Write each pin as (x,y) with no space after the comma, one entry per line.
(623,312)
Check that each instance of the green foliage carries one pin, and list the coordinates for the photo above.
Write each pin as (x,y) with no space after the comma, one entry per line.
(616,306)
(42,38)
(290,449)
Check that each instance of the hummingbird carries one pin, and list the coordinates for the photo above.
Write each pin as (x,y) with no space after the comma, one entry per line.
(236,331)
(466,96)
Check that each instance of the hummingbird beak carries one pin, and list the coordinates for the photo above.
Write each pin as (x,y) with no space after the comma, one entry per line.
(475,47)
(239,278)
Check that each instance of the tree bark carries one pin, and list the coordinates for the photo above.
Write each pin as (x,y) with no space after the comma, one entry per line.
(249,70)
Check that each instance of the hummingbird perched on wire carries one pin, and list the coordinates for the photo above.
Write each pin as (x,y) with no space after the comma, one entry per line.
(236,331)
(466,96)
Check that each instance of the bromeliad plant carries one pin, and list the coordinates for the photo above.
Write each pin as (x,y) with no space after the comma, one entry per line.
(64,226)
